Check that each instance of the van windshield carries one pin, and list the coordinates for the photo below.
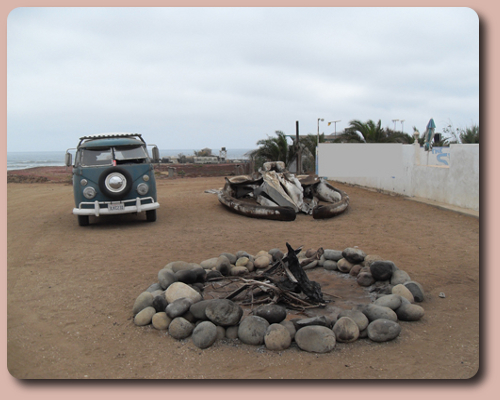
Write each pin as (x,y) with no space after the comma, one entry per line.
(130,153)
(122,155)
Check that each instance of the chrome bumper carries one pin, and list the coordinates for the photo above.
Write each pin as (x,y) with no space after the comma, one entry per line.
(130,206)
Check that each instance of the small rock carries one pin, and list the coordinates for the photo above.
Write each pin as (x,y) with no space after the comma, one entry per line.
(178,307)
(178,290)
(357,316)
(187,276)
(180,328)
(277,337)
(161,321)
(223,312)
(410,312)
(315,339)
(370,259)
(272,313)
(416,290)
(221,332)
(242,261)
(330,265)
(302,322)
(238,271)
(442,295)
(154,287)
(204,335)
(344,266)
(354,256)
(333,255)
(403,291)
(290,327)
(381,270)
(160,303)
(355,270)
(261,262)
(145,299)
(365,279)
(210,263)
(252,330)
(213,275)
(166,277)
(232,332)
(383,330)
(198,309)
(223,265)
(346,330)
(144,316)
(374,312)
(231,257)
(399,277)
(393,301)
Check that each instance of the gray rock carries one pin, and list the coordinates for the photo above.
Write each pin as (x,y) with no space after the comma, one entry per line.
(261,262)
(416,290)
(190,317)
(302,322)
(178,290)
(356,268)
(315,339)
(145,299)
(213,275)
(223,265)
(242,261)
(198,309)
(369,259)
(277,337)
(365,279)
(180,328)
(178,266)
(357,316)
(353,255)
(272,313)
(223,312)
(333,255)
(166,277)
(231,257)
(161,321)
(238,271)
(330,265)
(204,335)
(232,332)
(221,332)
(382,270)
(410,312)
(393,301)
(363,334)
(346,330)
(252,330)
(277,255)
(242,253)
(290,327)
(404,292)
(344,266)
(144,316)
(374,312)
(187,276)
(383,330)
(210,263)
(178,307)
(399,277)
(154,287)
(160,303)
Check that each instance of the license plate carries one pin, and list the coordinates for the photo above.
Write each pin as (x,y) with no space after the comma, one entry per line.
(116,207)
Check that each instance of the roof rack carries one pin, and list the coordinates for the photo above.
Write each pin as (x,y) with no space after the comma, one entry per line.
(109,135)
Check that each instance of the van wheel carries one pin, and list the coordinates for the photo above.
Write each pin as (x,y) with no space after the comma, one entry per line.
(83,220)
(151,215)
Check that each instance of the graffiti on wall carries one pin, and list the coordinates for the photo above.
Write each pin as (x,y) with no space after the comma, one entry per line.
(439,156)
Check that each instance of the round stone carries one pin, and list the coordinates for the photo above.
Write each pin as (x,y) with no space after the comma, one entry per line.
(198,309)
(383,330)
(277,337)
(232,332)
(410,312)
(261,262)
(330,265)
(204,335)
(252,330)
(223,265)
(221,332)
(333,255)
(353,255)
(178,307)
(213,275)
(344,266)
(180,328)
(382,270)
(403,291)
(365,279)
(144,316)
(416,290)
(315,339)
(272,313)
(370,259)
(346,330)
(161,321)
(210,263)
(186,276)
(374,312)
(223,312)
(160,303)
(145,299)
(290,327)
(399,277)
(178,290)
(357,316)
(300,323)
(231,257)
(238,271)
(154,287)
(166,277)
(242,261)
(356,268)
(393,301)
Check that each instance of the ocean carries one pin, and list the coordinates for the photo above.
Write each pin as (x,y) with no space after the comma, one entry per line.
(32,159)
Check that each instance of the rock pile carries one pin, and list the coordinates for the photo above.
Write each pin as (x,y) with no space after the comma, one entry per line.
(175,303)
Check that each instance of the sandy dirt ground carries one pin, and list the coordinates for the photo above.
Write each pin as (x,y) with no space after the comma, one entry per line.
(71,289)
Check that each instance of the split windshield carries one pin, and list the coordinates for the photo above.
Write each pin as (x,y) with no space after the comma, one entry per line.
(106,156)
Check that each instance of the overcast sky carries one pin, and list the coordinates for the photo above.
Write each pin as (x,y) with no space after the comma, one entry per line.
(189,78)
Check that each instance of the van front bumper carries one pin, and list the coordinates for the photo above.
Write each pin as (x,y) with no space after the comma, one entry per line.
(130,206)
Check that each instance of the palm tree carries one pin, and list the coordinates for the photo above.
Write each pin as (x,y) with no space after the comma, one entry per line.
(274,149)
(470,135)
(371,132)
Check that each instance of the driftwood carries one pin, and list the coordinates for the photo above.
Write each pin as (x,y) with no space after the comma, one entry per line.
(284,282)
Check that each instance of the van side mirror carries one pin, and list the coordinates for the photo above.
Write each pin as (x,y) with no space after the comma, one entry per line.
(156,154)
(68,159)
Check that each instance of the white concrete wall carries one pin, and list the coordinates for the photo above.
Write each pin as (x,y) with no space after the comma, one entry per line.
(448,175)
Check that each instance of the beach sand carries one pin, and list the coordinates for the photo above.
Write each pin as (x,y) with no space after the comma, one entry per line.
(71,289)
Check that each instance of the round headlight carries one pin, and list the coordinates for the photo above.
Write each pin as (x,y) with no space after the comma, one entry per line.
(145,178)
(142,189)
(83,182)
(89,192)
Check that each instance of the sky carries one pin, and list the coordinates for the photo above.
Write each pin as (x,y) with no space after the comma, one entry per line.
(190,78)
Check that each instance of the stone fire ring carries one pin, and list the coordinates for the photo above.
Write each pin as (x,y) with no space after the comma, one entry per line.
(175,303)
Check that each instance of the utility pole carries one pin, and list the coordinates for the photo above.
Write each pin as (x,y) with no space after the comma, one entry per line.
(299,155)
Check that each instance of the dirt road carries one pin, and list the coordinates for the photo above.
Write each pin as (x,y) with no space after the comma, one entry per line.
(71,289)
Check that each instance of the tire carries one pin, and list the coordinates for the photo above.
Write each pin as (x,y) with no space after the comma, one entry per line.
(117,171)
(151,215)
(83,220)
